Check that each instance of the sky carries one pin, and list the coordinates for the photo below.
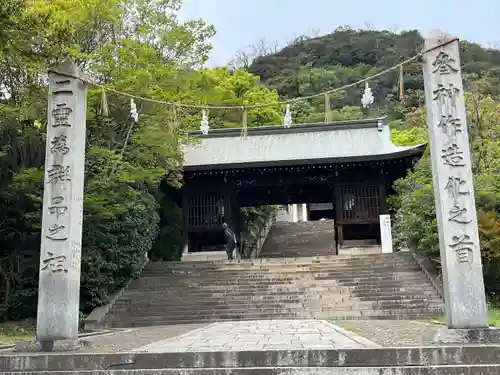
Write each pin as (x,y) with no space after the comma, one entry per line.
(240,23)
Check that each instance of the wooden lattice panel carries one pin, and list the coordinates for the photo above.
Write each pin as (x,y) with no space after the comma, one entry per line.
(206,210)
(360,203)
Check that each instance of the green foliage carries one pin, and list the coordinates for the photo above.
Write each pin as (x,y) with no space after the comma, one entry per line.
(115,243)
(313,65)
(169,244)
(121,219)
(415,225)
(255,219)
(408,137)
(132,170)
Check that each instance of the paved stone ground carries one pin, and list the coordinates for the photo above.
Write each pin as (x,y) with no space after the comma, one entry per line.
(277,334)
(262,335)
(391,333)
(130,339)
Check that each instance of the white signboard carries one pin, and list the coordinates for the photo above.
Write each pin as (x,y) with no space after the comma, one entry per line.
(386,233)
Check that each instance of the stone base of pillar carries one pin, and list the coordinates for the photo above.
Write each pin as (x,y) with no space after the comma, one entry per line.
(467,336)
(51,346)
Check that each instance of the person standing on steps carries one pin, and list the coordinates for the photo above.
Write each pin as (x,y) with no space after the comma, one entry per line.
(230,241)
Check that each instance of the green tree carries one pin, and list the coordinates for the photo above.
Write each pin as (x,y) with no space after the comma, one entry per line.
(125,161)
(132,169)
(415,225)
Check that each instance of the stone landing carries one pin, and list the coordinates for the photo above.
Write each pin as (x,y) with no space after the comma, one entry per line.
(268,347)
(262,335)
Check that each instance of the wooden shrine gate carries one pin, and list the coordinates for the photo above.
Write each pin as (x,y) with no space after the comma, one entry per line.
(350,164)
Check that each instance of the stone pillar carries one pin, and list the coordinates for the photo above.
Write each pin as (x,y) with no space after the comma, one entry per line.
(61,234)
(453,185)
(185,219)
(295,213)
(386,233)
(304,212)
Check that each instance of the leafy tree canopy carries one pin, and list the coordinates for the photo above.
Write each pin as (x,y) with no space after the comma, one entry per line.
(135,46)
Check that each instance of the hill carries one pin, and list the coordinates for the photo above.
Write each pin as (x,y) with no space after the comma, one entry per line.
(313,65)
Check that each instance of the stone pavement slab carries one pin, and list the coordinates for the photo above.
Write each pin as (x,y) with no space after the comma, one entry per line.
(129,339)
(262,335)
(393,333)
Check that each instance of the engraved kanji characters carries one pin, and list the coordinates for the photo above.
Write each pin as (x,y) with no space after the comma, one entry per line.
(452,156)
(444,64)
(59,174)
(454,188)
(54,263)
(463,247)
(57,207)
(457,214)
(450,125)
(55,233)
(61,115)
(445,95)
(58,145)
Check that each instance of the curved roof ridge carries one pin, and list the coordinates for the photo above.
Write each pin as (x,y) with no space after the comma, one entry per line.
(370,140)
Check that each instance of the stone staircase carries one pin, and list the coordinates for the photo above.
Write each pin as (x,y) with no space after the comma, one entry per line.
(302,239)
(365,286)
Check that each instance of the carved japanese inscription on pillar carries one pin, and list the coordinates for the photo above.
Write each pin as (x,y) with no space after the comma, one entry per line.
(60,252)
(58,178)
(453,186)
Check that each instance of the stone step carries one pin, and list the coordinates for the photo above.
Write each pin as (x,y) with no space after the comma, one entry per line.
(294,285)
(395,288)
(292,269)
(365,296)
(267,277)
(235,266)
(189,284)
(390,272)
(351,304)
(289,269)
(331,260)
(273,312)
(162,301)
(289,272)
(191,306)
(163,321)
(168,297)
(334,358)
(397,370)
(200,310)
(334,259)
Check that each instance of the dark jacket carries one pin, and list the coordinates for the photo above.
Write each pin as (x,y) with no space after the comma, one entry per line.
(230,237)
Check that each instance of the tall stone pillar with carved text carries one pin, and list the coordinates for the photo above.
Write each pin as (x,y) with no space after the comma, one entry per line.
(453,185)
(60,254)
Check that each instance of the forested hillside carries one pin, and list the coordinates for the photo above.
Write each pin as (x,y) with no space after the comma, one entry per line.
(314,65)
(318,64)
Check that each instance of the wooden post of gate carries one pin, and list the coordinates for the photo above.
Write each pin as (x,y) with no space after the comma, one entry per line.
(453,184)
